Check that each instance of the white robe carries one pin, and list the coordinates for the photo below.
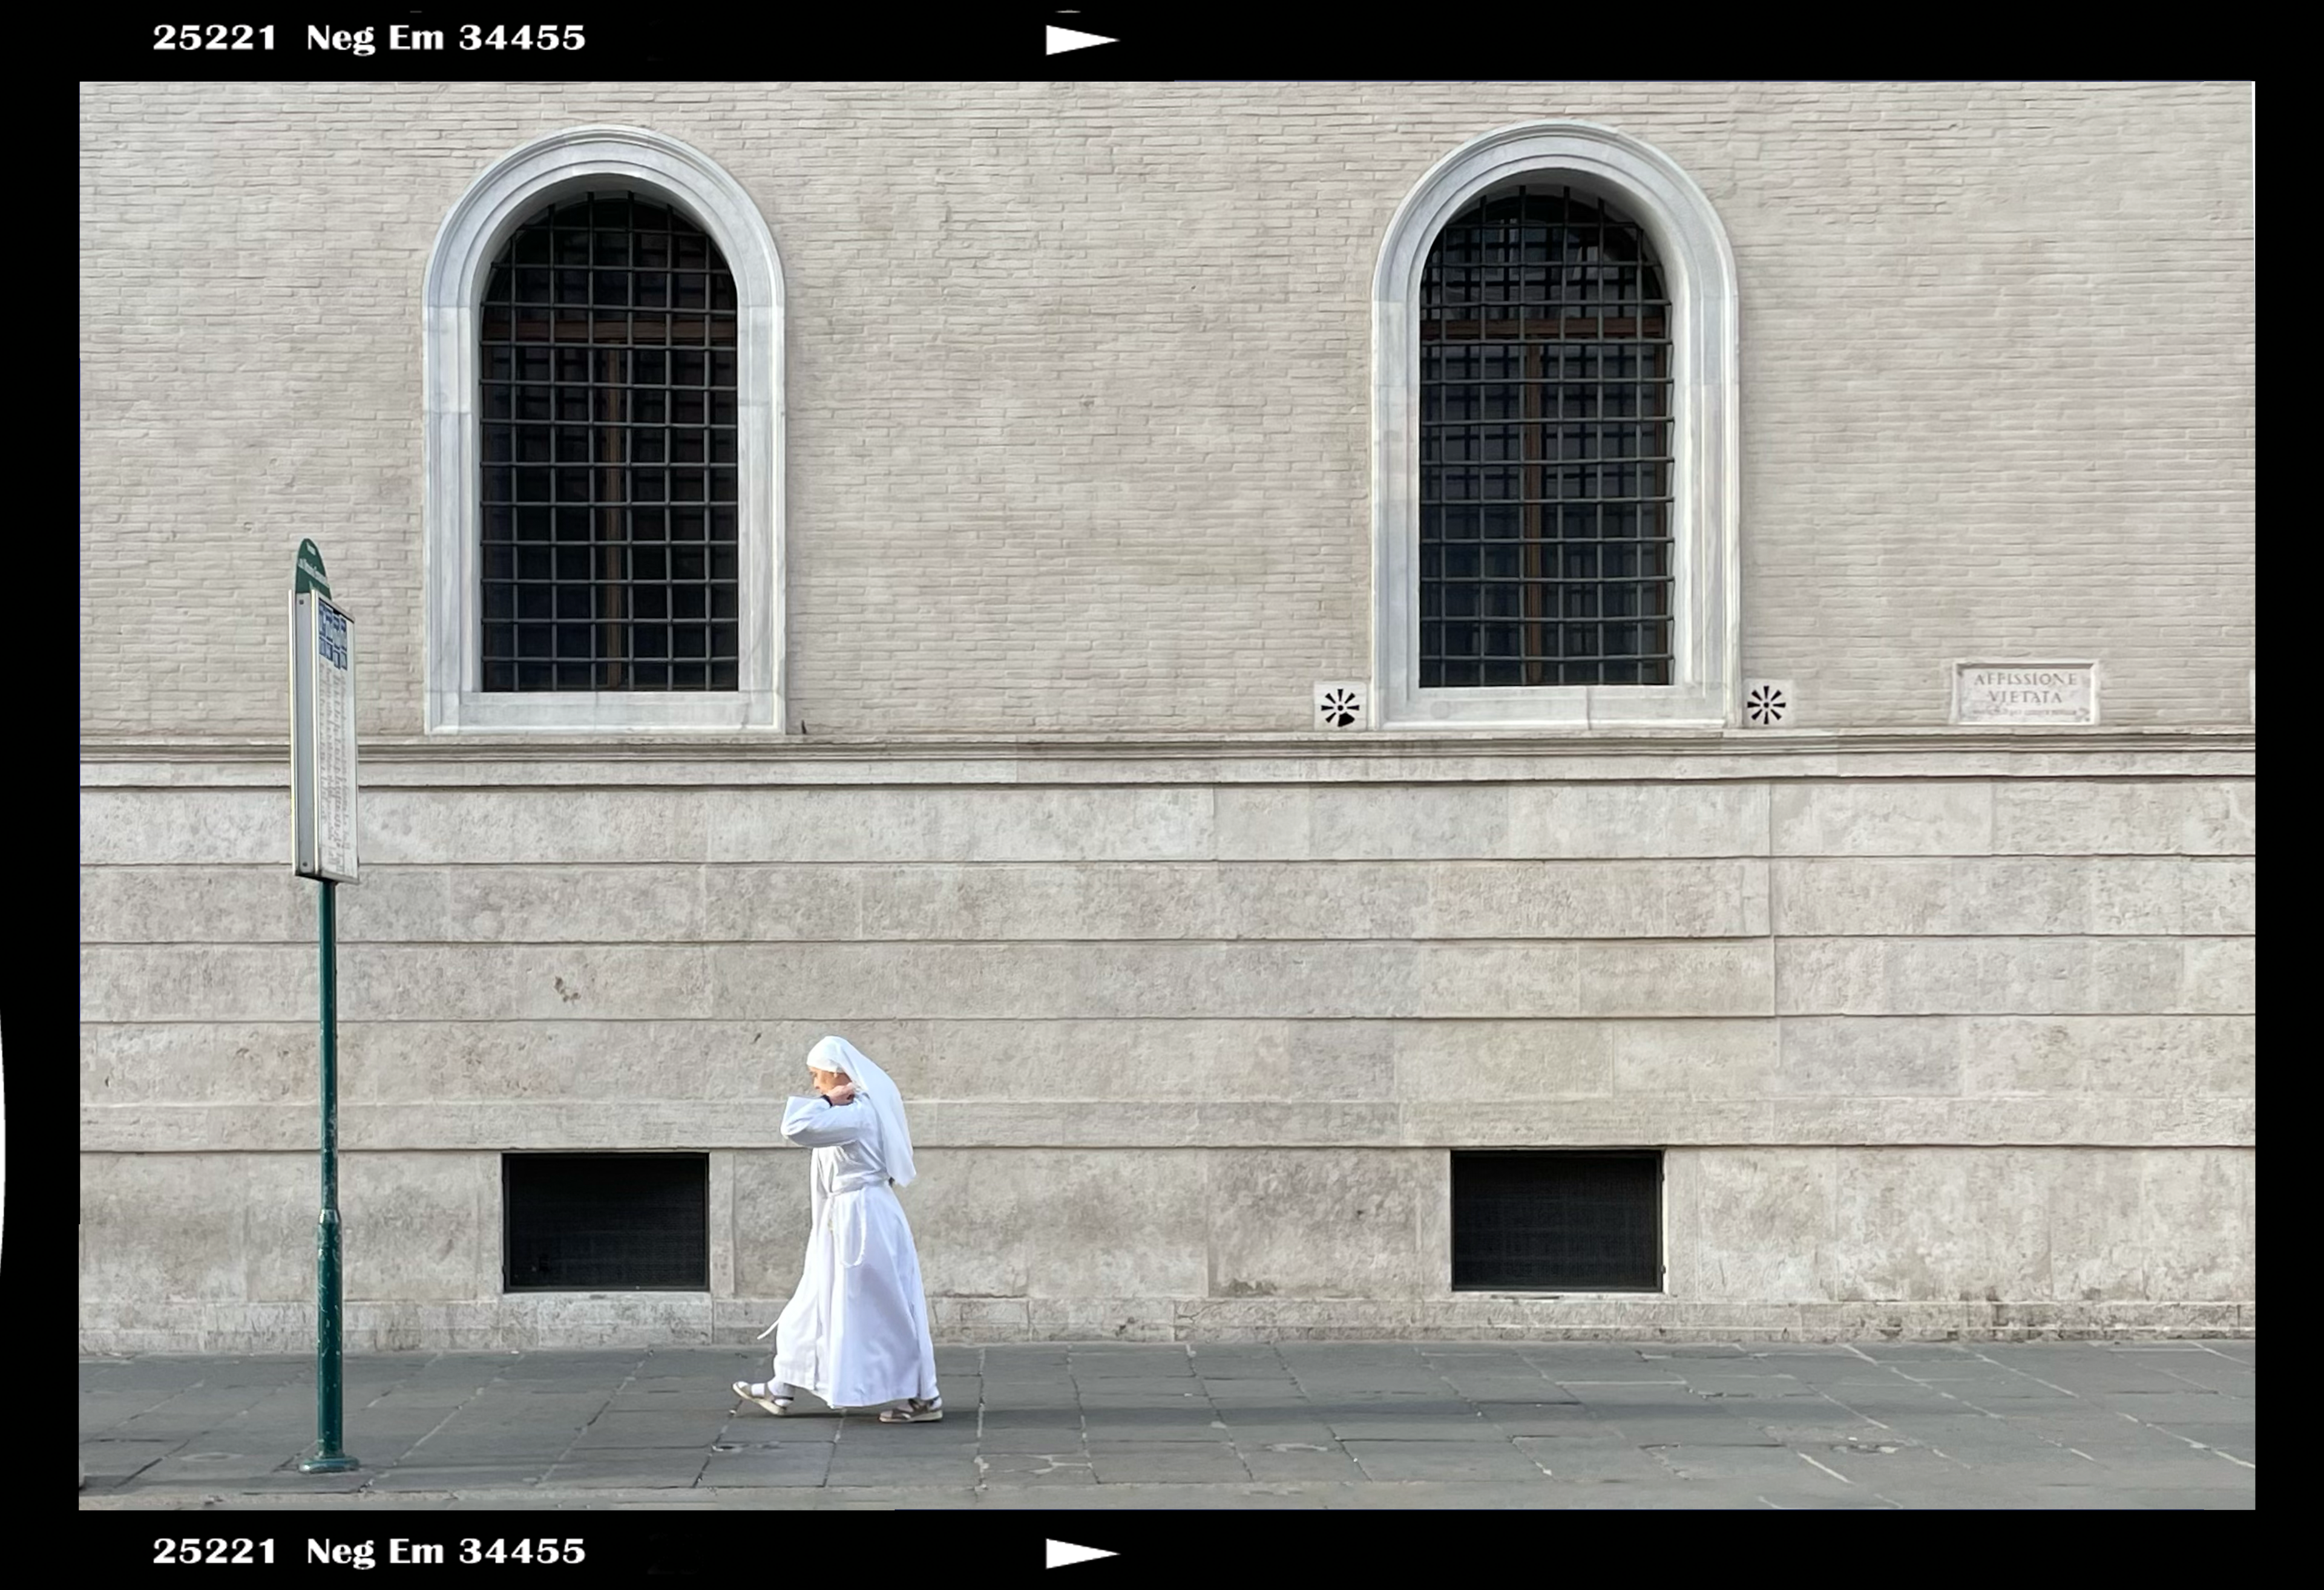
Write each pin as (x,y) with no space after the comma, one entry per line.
(856,1332)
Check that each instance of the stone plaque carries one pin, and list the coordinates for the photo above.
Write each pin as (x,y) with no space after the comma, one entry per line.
(2026,693)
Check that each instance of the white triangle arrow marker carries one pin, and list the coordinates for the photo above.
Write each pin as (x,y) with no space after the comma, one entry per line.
(1060,40)
(1062,1553)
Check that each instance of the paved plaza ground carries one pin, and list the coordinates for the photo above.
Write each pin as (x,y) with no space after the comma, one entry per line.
(1297,1424)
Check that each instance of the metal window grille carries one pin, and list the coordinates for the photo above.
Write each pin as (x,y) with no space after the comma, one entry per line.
(610,426)
(1557,1221)
(631,1222)
(1545,465)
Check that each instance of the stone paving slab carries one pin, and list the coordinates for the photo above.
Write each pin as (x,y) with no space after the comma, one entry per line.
(1301,1425)
(1130,1462)
(1466,1461)
(2241,1440)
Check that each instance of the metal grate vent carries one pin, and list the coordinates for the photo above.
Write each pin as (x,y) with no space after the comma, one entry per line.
(581,1222)
(1341,704)
(1767,703)
(1557,1221)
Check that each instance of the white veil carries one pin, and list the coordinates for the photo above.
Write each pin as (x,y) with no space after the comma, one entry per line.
(837,1055)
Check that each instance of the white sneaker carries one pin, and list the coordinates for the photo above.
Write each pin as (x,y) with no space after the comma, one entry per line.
(775,1399)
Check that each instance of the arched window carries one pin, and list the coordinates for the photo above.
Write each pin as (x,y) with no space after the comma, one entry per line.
(1544,446)
(1554,325)
(609,423)
(604,445)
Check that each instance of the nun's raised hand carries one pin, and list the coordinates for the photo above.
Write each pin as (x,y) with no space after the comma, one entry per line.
(842,1093)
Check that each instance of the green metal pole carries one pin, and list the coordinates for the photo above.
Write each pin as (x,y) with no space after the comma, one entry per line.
(328,1458)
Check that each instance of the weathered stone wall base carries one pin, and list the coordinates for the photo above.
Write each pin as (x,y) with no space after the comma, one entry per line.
(1925,1054)
(213,1252)
(512,1324)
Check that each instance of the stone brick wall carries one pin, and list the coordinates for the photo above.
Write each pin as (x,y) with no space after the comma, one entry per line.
(1077,382)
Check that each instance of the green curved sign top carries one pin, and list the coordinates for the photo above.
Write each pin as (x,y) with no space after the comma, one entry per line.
(308,570)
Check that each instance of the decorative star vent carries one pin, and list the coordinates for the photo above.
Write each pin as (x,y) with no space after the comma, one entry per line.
(1767,703)
(1341,704)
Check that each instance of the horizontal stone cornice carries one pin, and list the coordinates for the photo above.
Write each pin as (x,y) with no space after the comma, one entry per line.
(707,759)
(582,1319)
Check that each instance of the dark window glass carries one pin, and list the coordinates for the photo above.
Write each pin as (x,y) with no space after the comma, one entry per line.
(609,394)
(606,1221)
(1546,466)
(1557,1221)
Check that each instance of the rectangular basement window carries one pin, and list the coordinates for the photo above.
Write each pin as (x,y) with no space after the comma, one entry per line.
(1557,1221)
(607,1222)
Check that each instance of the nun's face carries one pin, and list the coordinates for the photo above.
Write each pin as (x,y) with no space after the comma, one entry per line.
(825,1081)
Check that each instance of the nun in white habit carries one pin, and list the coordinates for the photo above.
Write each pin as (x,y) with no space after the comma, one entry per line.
(856,1332)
